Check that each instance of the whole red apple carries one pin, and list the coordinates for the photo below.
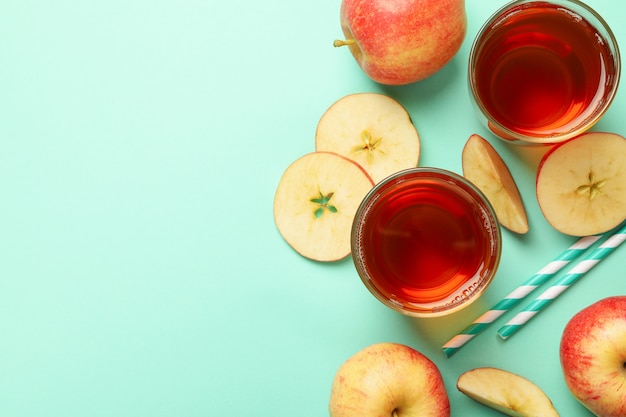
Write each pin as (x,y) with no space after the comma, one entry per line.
(388,379)
(399,42)
(593,356)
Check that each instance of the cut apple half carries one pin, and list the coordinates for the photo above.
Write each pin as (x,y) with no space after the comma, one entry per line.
(315,203)
(371,129)
(483,166)
(506,392)
(581,184)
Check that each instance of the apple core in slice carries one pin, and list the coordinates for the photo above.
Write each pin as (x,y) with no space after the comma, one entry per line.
(315,203)
(483,166)
(371,129)
(506,392)
(581,184)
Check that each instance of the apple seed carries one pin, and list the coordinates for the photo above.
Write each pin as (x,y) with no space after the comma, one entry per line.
(369,145)
(593,188)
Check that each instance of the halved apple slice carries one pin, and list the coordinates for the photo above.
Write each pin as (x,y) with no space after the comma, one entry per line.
(373,130)
(581,184)
(506,392)
(483,166)
(315,203)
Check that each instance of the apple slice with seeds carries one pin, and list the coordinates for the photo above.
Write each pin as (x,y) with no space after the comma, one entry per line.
(483,166)
(373,130)
(581,184)
(506,392)
(315,203)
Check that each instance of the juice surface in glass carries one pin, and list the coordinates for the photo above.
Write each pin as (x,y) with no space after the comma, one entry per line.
(541,69)
(426,242)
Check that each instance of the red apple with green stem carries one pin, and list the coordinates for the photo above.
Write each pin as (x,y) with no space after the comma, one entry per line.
(399,42)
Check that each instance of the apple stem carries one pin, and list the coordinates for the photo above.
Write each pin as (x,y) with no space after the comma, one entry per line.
(346,42)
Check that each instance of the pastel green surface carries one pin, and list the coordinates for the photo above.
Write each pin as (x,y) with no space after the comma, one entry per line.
(140,270)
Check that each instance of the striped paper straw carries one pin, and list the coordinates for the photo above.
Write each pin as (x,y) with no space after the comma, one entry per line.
(563,283)
(518,294)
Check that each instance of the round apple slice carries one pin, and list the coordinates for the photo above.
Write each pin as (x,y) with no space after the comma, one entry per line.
(315,203)
(506,392)
(371,129)
(581,184)
(483,166)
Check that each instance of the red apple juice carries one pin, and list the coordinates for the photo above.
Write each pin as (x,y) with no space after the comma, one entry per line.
(540,69)
(425,242)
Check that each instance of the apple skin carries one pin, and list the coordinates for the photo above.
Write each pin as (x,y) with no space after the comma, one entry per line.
(388,379)
(593,356)
(399,42)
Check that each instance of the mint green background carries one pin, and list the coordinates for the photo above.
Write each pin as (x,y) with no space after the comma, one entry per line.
(141,273)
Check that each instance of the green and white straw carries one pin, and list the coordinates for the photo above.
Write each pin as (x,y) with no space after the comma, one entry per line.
(543,275)
(563,283)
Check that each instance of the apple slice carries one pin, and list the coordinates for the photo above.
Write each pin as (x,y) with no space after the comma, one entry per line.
(581,184)
(373,130)
(483,166)
(506,392)
(315,203)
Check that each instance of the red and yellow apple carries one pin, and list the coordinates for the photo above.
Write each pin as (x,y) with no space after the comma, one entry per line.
(399,42)
(593,356)
(388,379)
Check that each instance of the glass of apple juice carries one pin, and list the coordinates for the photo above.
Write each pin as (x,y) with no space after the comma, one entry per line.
(426,242)
(541,72)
